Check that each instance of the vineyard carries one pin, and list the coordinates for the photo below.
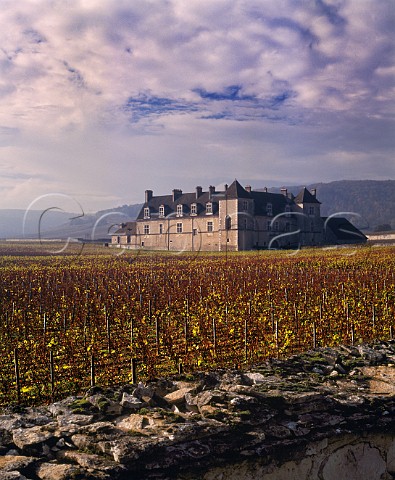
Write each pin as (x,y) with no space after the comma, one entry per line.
(73,318)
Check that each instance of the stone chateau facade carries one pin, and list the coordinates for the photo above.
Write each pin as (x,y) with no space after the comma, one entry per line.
(236,218)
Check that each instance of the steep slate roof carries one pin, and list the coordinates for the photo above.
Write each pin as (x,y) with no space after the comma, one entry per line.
(235,190)
(304,196)
(278,201)
(128,228)
(343,229)
(185,199)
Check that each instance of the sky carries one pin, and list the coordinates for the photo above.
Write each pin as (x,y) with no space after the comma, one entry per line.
(101,100)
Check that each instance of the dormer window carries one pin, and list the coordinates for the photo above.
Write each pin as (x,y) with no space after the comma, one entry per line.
(146,212)
(193,209)
(180,210)
(245,205)
(162,211)
(269,209)
(287,211)
(209,208)
(311,210)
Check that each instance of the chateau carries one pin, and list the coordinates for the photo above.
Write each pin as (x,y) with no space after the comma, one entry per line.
(233,219)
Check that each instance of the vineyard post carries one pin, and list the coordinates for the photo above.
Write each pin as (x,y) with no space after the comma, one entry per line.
(214,337)
(108,328)
(347,317)
(45,323)
(272,315)
(314,335)
(391,336)
(180,368)
(93,373)
(246,332)
(296,324)
(157,334)
(245,339)
(320,317)
(276,336)
(134,370)
(186,334)
(374,319)
(17,377)
(52,373)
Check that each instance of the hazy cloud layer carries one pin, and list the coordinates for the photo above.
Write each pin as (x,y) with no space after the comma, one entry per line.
(100,100)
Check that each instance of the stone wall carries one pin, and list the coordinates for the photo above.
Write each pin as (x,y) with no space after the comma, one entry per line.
(326,414)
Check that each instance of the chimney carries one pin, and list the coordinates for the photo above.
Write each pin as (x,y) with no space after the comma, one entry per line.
(176,194)
(148,195)
(198,191)
(314,192)
(211,190)
(265,189)
(284,191)
(226,187)
(248,188)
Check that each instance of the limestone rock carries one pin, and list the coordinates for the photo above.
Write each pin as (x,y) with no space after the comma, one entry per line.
(53,471)
(133,422)
(177,397)
(14,475)
(131,402)
(10,463)
(31,440)
(255,377)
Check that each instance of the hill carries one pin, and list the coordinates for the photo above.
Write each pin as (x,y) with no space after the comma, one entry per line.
(57,224)
(373,201)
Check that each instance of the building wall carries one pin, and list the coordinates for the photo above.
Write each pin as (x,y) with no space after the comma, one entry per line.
(310,224)
(234,227)
(166,234)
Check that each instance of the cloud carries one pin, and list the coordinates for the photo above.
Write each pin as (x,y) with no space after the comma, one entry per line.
(108,88)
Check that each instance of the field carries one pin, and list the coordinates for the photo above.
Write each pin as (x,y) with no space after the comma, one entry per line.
(72,317)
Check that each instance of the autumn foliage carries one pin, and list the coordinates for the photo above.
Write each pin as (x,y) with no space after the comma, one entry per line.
(203,311)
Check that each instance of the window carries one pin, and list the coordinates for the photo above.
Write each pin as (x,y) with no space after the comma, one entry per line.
(128,239)
(194,232)
(245,224)
(161,228)
(210,227)
(118,239)
(209,208)
(287,211)
(245,205)
(269,209)
(146,229)
(162,211)
(179,227)
(193,209)
(287,227)
(276,226)
(269,225)
(146,212)
(311,211)
(180,210)
(228,223)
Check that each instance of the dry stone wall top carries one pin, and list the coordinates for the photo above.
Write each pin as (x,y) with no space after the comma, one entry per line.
(302,417)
